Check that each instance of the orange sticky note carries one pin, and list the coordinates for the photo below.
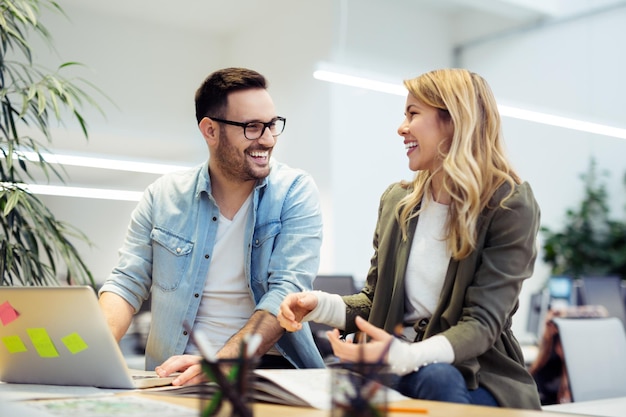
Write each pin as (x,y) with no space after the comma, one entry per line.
(42,342)
(7,313)
(74,343)
(14,344)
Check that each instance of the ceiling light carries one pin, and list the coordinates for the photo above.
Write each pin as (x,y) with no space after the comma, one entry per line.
(93,162)
(565,122)
(104,163)
(98,193)
(360,82)
(344,78)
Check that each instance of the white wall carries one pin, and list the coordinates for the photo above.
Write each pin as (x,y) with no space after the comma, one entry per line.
(150,72)
(366,153)
(345,137)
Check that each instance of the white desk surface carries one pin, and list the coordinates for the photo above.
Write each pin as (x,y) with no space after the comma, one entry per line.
(12,394)
(610,407)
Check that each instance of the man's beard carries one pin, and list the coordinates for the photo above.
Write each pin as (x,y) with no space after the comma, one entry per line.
(233,164)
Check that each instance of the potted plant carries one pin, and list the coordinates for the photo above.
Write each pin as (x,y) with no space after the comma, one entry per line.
(590,243)
(35,247)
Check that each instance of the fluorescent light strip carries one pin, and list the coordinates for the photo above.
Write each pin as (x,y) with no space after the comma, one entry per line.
(565,122)
(96,193)
(505,111)
(360,82)
(104,163)
(91,162)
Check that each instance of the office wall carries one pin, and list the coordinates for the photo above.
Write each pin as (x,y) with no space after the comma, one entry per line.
(150,72)
(148,81)
(345,137)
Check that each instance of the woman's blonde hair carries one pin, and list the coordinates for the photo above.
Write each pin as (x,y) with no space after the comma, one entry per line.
(473,165)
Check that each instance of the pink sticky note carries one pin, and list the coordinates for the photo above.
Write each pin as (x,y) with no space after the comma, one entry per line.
(7,313)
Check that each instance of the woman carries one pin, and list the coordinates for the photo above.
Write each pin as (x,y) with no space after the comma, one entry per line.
(452,249)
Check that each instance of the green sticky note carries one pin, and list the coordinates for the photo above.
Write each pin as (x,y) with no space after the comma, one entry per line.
(74,343)
(14,344)
(42,342)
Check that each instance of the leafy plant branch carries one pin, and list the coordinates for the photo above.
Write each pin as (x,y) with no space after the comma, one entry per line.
(34,245)
(591,243)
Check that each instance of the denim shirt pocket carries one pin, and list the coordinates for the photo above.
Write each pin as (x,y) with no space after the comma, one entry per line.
(172,257)
(262,248)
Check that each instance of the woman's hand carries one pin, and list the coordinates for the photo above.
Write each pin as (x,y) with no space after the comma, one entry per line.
(373,351)
(294,307)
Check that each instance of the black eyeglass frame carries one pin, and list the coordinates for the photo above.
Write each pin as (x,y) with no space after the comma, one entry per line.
(245,125)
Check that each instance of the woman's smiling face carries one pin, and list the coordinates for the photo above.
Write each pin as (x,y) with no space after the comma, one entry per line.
(424,133)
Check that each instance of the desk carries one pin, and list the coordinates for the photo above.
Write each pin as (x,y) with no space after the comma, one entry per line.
(434,408)
(609,407)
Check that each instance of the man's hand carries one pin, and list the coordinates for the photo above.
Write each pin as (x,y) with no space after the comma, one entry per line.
(294,307)
(189,367)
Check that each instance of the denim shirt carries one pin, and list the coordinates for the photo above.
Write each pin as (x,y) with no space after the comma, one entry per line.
(168,248)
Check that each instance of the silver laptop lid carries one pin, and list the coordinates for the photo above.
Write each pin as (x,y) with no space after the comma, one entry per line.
(58,335)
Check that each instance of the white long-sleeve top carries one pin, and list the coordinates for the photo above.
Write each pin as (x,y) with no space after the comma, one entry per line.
(426,269)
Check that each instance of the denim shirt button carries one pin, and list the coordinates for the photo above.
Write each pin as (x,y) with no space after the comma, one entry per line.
(214,218)
(206,256)
(178,250)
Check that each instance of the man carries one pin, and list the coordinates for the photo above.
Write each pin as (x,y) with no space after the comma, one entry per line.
(219,246)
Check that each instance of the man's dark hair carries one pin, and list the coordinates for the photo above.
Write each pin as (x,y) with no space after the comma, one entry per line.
(212,96)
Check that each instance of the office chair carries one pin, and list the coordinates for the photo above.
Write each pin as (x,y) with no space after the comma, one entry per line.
(604,291)
(594,351)
(536,311)
(333,284)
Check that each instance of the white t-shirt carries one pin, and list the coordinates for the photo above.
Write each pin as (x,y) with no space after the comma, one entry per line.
(425,274)
(427,264)
(227,302)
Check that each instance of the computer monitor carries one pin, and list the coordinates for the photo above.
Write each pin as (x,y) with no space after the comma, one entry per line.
(561,289)
(333,284)
(605,291)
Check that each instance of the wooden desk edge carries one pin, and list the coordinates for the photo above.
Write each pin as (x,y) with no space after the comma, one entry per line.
(433,409)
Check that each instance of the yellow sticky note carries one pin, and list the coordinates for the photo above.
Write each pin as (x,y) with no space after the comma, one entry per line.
(14,344)
(74,343)
(42,342)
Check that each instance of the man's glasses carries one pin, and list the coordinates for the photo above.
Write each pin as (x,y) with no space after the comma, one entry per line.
(254,130)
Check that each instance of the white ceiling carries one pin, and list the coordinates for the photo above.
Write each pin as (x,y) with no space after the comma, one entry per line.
(225,17)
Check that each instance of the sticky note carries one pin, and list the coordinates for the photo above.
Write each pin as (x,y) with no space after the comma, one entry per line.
(42,342)
(74,343)
(14,344)
(7,313)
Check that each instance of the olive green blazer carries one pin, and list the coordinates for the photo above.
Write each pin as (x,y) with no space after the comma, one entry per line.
(479,296)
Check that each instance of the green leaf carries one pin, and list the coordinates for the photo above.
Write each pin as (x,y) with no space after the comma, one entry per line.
(35,247)
(12,201)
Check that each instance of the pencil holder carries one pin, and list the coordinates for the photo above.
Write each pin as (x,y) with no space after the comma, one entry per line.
(229,394)
(358,389)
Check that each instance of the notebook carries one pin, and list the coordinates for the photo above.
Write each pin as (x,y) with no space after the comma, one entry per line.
(58,335)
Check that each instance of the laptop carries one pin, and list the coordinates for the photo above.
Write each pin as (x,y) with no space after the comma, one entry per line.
(59,336)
